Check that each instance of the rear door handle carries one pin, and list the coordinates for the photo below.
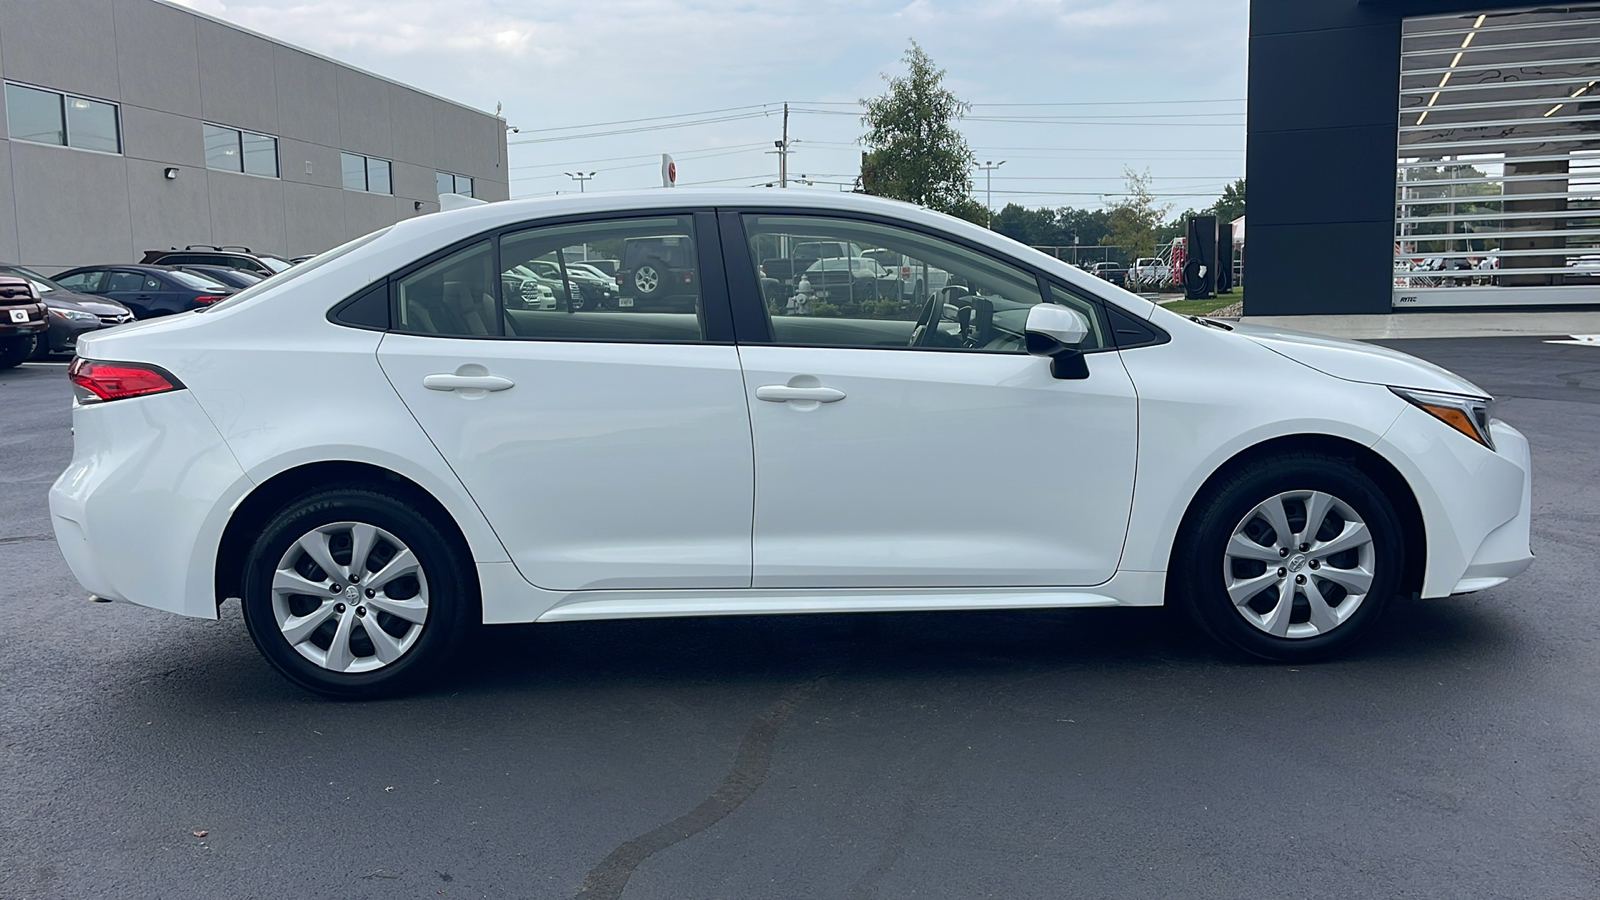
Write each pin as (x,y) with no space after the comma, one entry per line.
(780,393)
(451,382)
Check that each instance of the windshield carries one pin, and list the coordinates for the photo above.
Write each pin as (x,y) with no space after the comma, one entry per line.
(40,283)
(310,265)
(275,264)
(195,281)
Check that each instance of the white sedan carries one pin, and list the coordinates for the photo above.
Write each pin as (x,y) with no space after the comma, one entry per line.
(378,449)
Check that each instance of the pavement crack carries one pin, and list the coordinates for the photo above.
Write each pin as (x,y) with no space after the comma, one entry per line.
(24,538)
(608,879)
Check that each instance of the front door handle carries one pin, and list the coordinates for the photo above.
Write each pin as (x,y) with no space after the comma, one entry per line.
(780,393)
(451,382)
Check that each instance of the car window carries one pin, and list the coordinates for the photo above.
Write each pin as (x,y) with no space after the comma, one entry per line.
(656,298)
(125,281)
(152,283)
(902,288)
(194,282)
(453,296)
(87,282)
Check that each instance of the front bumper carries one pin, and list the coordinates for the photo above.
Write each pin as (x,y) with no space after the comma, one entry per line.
(1476,503)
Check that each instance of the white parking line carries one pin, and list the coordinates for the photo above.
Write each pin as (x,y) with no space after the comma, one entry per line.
(1584,340)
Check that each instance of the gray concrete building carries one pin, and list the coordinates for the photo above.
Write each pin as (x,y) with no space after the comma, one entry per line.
(137,124)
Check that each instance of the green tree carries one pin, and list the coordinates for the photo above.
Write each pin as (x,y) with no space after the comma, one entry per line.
(1135,221)
(1230,205)
(914,150)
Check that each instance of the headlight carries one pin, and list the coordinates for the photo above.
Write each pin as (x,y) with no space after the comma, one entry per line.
(74,315)
(1466,414)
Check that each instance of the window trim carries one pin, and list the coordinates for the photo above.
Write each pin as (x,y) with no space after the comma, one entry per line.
(366,173)
(239,133)
(66,124)
(715,296)
(750,313)
(453,177)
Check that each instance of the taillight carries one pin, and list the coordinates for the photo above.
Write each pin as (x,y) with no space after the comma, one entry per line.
(209,298)
(94,381)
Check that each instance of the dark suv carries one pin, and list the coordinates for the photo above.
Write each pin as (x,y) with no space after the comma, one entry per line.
(22,320)
(241,258)
(658,273)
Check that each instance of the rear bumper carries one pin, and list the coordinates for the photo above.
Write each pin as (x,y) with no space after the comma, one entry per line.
(140,509)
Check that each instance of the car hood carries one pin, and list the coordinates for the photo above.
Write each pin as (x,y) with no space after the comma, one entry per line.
(1356,361)
(100,306)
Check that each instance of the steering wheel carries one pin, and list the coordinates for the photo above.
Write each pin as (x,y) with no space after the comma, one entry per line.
(927,322)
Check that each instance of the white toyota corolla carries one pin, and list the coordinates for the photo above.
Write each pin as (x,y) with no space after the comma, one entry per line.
(384,446)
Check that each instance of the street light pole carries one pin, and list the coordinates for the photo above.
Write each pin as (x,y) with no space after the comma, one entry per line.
(581,177)
(988,168)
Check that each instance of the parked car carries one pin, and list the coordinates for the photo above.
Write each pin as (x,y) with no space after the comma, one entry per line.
(538,466)
(148,291)
(263,264)
(917,278)
(22,320)
(843,279)
(1150,271)
(1110,271)
(70,313)
(591,289)
(238,279)
(658,272)
(607,267)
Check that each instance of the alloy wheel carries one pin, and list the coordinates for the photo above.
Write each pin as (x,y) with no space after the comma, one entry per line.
(350,597)
(1299,564)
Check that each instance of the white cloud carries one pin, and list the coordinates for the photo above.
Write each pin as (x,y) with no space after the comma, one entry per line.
(566,63)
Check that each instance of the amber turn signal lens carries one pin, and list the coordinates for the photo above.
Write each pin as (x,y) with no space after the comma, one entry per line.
(1455,418)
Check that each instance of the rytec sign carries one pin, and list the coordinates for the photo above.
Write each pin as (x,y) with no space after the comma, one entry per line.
(669,171)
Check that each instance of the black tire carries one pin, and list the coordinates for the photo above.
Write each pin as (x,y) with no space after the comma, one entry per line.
(41,346)
(453,606)
(1200,563)
(16,350)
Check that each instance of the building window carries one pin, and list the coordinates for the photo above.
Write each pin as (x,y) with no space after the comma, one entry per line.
(366,173)
(449,183)
(66,120)
(1498,176)
(232,150)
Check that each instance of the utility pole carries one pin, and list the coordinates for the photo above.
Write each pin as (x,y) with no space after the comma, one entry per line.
(581,178)
(783,151)
(988,185)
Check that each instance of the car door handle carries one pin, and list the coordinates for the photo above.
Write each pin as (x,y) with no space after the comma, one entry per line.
(451,382)
(780,393)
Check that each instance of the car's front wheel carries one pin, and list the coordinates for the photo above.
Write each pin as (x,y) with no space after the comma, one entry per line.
(13,351)
(1289,559)
(353,593)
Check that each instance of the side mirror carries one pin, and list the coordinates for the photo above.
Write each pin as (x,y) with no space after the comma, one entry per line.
(1056,331)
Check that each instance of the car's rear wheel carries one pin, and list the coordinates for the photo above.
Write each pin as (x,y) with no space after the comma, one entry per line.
(1290,559)
(353,593)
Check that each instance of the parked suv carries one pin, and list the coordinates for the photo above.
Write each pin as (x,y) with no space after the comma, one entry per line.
(22,320)
(233,257)
(658,273)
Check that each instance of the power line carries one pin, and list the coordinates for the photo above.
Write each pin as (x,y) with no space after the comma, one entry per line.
(584,162)
(640,129)
(705,112)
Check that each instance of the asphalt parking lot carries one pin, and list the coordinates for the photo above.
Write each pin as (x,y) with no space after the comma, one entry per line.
(1087,753)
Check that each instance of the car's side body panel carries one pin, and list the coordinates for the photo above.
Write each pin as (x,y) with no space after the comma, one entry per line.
(939,469)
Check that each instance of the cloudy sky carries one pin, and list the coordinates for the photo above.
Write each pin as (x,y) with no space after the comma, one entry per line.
(1067,92)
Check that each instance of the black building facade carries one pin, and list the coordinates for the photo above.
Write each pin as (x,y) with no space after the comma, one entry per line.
(1422,154)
